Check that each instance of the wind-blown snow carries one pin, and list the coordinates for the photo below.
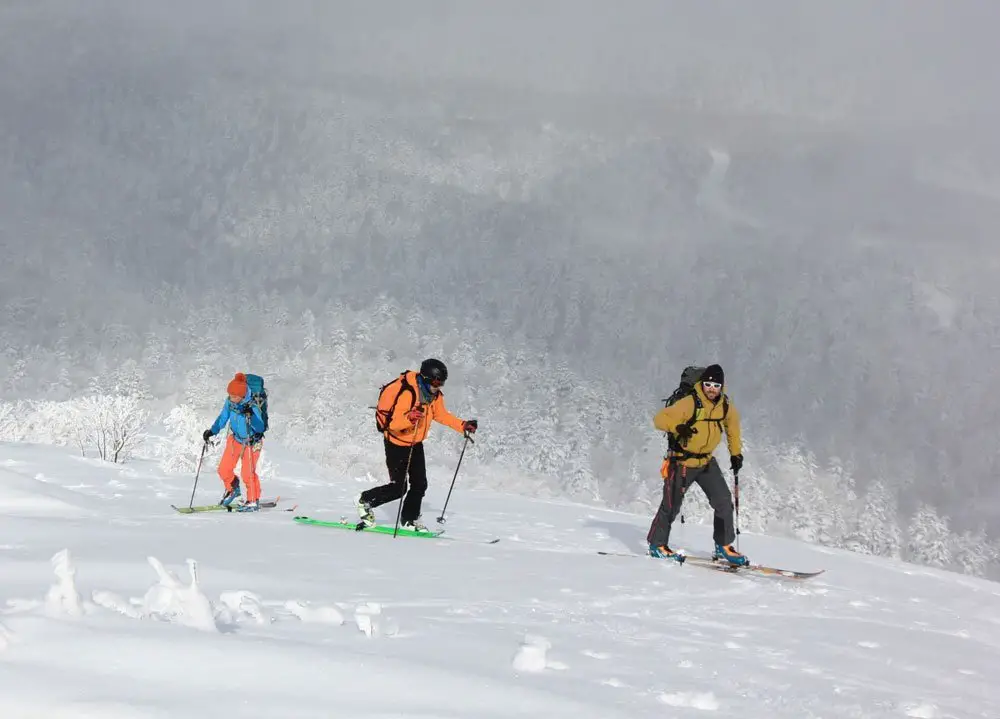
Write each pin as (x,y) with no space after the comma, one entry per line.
(137,611)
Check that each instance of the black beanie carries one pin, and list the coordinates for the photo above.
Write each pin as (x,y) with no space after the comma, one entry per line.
(713,373)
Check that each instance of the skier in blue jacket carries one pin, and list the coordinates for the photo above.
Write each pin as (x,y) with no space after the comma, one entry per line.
(246,425)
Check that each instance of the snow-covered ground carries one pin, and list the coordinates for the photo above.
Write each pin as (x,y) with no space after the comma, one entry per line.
(100,616)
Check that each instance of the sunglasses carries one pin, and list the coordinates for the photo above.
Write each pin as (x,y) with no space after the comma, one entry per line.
(712,385)
(435,383)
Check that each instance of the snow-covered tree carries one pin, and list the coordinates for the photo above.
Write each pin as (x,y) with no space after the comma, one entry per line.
(130,380)
(929,541)
(182,449)
(63,384)
(59,423)
(876,530)
(760,501)
(15,374)
(8,422)
(973,552)
(204,386)
(578,477)
(113,425)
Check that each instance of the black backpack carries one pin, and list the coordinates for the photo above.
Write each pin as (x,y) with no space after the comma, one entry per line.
(689,378)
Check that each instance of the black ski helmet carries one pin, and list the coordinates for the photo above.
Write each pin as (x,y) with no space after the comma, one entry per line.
(434,369)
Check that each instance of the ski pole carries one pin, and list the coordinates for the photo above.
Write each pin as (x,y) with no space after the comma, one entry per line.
(253,469)
(736,493)
(253,460)
(204,447)
(468,439)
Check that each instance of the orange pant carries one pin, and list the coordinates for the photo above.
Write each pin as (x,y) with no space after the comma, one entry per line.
(233,453)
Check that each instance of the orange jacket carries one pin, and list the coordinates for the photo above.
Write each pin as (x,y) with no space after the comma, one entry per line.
(401,430)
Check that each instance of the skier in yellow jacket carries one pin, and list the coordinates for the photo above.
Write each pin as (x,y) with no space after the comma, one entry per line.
(695,424)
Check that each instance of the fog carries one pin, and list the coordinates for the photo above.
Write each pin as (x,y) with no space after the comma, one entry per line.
(807,194)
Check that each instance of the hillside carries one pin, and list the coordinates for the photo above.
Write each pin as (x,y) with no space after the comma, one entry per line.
(297,621)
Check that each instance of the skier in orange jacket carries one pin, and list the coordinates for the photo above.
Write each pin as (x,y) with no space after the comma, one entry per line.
(405,410)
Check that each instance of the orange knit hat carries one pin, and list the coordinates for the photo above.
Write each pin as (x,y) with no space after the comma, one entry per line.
(237,385)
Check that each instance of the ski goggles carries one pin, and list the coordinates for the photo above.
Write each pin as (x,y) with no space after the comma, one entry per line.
(712,385)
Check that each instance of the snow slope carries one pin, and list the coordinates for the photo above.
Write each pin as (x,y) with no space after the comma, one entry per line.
(100,617)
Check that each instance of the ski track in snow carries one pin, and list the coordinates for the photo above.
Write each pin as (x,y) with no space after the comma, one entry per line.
(140,611)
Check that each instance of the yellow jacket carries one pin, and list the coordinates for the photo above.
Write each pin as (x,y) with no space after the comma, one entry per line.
(708,425)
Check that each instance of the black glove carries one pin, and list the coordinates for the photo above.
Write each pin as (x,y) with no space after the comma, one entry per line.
(206,435)
(470,426)
(685,432)
(736,462)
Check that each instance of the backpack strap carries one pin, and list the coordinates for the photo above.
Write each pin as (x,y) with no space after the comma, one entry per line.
(697,405)
(673,444)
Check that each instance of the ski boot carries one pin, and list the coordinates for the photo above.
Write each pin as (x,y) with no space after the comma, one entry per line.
(250,507)
(414,526)
(664,552)
(729,555)
(232,494)
(365,512)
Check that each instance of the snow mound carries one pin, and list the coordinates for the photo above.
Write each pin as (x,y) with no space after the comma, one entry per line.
(531,655)
(921,711)
(63,598)
(172,601)
(109,600)
(369,619)
(314,615)
(245,606)
(705,701)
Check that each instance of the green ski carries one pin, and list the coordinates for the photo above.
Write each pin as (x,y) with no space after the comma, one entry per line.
(264,504)
(378,528)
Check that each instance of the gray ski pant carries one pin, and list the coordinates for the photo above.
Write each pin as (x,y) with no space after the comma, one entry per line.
(711,481)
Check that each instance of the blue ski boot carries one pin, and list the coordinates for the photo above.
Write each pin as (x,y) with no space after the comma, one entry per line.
(729,555)
(232,494)
(249,507)
(665,552)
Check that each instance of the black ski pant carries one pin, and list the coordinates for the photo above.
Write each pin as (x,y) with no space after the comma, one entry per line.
(396,458)
(675,484)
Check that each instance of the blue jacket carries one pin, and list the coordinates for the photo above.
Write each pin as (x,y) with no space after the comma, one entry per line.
(233,414)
